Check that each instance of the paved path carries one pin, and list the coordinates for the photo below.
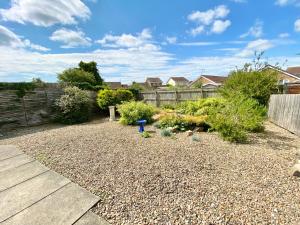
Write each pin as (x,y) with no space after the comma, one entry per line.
(32,194)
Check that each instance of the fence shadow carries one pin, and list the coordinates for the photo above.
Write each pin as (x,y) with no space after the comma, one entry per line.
(275,140)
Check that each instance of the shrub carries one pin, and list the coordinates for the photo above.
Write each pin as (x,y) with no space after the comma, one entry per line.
(200,107)
(258,85)
(108,97)
(166,132)
(181,122)
(76,75)
(195,138)
(74,106)
(91,67)
(236,118)
(168,106)
(133,111)
(146,134)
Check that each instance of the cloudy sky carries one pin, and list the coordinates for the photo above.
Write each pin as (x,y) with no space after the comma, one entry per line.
(133,39)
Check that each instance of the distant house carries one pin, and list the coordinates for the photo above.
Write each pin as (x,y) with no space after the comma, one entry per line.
(178,81)
(116,85)
(291,75)
(153,82)
(209,81)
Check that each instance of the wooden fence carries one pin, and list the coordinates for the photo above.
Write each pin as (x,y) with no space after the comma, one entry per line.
(284,110)
(160,98)
(33,109)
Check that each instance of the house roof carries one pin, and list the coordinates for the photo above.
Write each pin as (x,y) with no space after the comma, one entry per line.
(284,71)
(214,79)
(114,85)
(153,80)
(294,70)
(179,79)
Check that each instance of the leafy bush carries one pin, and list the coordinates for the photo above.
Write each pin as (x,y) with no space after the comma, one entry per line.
(168,106)
(258,85)
(146,134)
(108,97)
(91,67)
(181,122)
(237,117)
(76,75)
(200,107)
(133,111)
(74,106)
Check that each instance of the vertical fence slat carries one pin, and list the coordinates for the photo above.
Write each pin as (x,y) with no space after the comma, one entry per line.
(284,111)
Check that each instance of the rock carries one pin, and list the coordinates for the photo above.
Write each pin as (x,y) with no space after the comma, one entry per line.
(199,129)
(189,133)
(296,170)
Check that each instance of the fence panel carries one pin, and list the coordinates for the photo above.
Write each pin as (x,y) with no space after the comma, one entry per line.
(160,98)
(284,110)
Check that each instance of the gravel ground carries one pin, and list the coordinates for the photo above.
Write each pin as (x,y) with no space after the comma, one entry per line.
(173,181)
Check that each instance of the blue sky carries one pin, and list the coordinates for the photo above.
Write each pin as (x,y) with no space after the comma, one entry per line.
(133,39)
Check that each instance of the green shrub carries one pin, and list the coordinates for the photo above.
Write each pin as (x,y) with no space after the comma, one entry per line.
(237,117)
(258,85)
(146,134)
(108,98)
(76,75)
(133,111)
(74,106)
(200,107)
(168,106)
(181,122)
(166,132)
(195,138)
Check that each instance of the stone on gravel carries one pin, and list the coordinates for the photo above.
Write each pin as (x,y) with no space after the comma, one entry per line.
(189,133)
(296,170)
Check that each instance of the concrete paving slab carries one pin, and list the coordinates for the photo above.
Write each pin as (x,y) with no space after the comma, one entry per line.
(18,198)
(63,207)
(8,151)
(91,219)
(14,162)
(14,176)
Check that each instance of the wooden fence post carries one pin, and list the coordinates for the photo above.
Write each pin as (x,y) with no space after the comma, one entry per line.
(157,99)
(24,110)
(176,97)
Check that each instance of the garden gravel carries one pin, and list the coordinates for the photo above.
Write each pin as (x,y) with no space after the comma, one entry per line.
(173,180)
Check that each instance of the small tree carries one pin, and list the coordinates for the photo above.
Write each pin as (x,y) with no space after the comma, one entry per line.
(76,75)
(252,81)
(91,67)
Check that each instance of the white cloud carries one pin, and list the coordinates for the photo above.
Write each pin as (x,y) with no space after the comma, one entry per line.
(297,25)
(140,40)
(10,39)
(259,45)
(219,26)
(284,35)
(71,38)
(256,30)
(124,65)
(171,40)
(207,17)
(46,13)
(287,2)
(212,19)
